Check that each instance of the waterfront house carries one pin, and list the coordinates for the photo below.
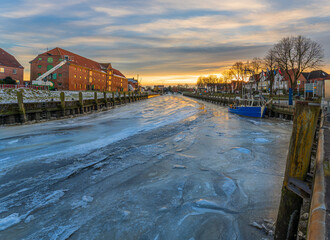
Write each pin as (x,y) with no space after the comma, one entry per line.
(78,73)
(10,67)
(133,84)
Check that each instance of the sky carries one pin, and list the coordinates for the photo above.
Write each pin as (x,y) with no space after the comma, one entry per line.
(164,42)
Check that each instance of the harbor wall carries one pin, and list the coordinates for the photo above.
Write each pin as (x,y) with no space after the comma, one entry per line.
(273,110)
(20,112)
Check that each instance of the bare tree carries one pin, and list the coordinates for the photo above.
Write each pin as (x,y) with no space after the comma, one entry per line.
(270,64)
(256,65)
(297,54)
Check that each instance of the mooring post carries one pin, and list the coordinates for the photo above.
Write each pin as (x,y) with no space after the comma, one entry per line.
(129,97)
(81,102)
(298,161)
(21,107)
(113,99)
(96,101)
(125,97)
(105,99)
(119,97)
(62,97)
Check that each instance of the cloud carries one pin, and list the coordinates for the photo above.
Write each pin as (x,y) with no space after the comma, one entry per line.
(160,37)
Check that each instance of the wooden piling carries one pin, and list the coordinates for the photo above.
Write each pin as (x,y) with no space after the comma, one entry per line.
(96,101)
(81,102)
(21,107)
(298,161)
(105,99)
(62,97)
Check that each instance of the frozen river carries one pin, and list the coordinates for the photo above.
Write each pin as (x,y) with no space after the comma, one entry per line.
(164,168)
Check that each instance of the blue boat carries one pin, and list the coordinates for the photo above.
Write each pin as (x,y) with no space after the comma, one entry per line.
(249,111)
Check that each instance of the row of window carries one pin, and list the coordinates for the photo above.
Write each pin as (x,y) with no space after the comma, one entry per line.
(2,70)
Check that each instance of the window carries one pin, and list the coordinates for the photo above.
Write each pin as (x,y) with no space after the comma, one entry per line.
(39,74)
(2,70)
(60,59)
(39,59)
(60,75)
(75,75)
(39,66)
(14,71)
(80,86)
(75,69)
(50,60)
(49,67)
(60,84)
(54,76)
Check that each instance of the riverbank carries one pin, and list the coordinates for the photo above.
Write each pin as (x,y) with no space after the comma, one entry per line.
(273,109)
(22,112)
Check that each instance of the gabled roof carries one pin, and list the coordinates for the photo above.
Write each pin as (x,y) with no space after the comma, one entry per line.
(74,58)
(317,74)
(117,72)
(8,60)
(106,66)
(82,61)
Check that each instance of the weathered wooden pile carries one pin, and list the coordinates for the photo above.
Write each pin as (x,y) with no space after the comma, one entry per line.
(20,112)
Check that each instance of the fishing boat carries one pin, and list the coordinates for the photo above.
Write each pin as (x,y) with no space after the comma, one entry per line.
(250,111)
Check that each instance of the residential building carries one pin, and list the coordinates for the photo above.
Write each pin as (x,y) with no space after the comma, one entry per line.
(78,73)
(133,83)
(10,67)
(317,75)
(218,87)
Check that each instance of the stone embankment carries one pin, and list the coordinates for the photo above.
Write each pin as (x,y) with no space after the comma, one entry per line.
(20,112)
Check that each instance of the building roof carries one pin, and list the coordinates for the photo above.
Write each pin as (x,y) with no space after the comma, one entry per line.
(317,74)
(82,61)
(106,66)
(117,72)
(8,60)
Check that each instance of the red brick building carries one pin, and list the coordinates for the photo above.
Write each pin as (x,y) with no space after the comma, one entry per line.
(10,67)
(79,73)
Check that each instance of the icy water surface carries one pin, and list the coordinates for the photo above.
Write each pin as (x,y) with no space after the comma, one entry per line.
(164,168)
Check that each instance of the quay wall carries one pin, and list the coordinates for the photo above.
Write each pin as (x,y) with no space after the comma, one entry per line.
(20,112)
(273,110)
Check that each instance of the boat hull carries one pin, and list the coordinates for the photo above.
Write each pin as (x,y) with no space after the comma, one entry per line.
(248,111)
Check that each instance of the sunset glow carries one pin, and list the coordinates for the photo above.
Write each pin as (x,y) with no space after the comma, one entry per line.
(164,42)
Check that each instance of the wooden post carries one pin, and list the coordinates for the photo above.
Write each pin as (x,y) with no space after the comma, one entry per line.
(62,97)
(119,97)
(105,99)
(96,101)
(298,161)
(113,99)
(21,107)
(125,97)
(81,102)
(129,97)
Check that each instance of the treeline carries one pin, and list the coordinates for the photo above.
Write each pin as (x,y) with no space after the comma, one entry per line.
(291,56)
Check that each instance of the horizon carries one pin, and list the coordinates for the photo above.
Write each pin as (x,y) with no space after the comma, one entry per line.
(164,42)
